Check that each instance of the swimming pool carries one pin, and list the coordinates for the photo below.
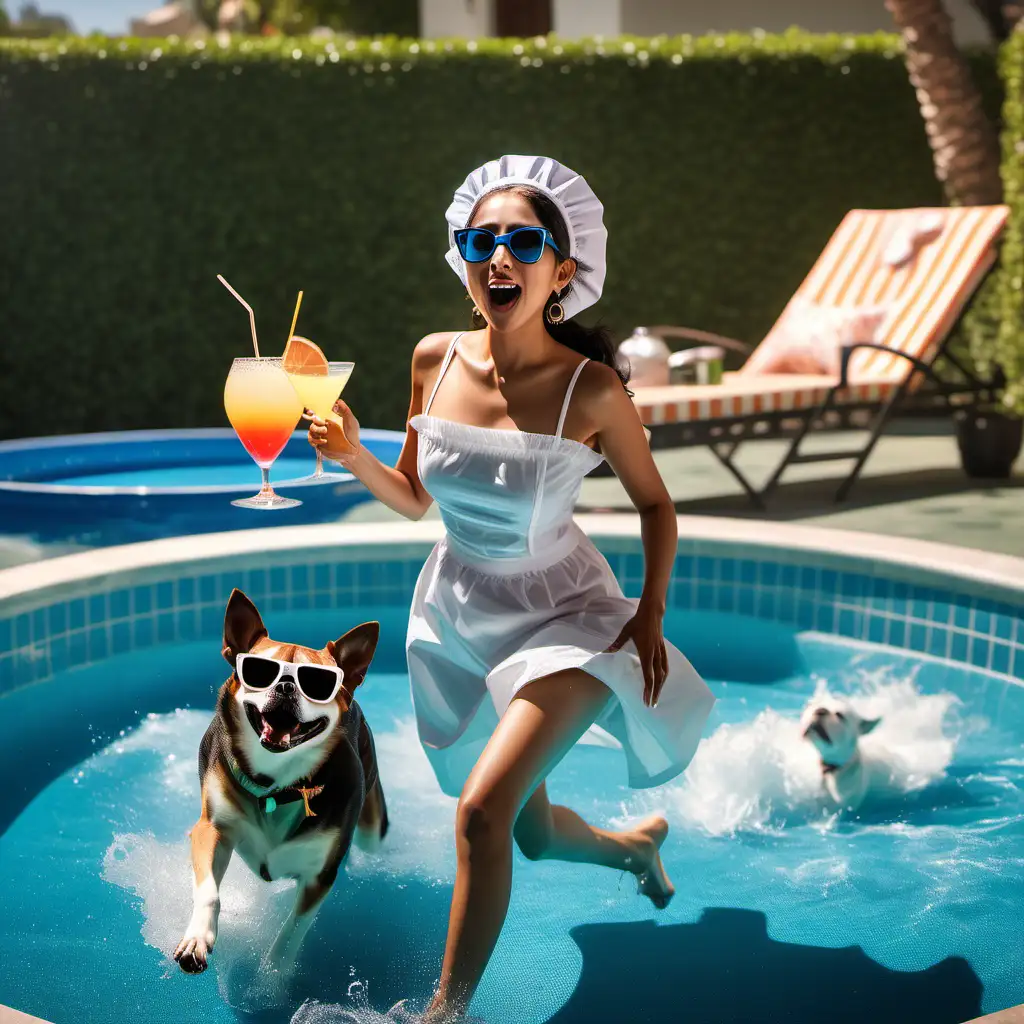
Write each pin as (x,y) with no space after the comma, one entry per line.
(94,490)
(782,911)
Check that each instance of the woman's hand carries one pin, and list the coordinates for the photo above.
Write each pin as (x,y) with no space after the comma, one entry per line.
(337,441)
(646,631)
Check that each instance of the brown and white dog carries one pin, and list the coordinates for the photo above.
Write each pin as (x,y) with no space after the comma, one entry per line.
(288,775)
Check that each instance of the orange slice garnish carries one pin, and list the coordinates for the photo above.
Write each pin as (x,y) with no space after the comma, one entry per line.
(302,356)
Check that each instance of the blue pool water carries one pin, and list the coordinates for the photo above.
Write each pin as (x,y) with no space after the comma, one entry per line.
(907,911)
(220,473)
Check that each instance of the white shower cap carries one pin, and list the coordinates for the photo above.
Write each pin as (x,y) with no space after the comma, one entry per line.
(581,211)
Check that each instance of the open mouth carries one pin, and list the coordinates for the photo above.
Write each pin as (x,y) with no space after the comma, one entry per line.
(818,729)
(280,731)
(502,297)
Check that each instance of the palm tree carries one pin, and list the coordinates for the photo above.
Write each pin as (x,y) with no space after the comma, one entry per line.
(964,144)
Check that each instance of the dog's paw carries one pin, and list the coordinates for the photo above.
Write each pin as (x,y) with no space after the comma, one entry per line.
(192,953)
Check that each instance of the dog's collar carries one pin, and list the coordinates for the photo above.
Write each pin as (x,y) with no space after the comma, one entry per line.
(270,797)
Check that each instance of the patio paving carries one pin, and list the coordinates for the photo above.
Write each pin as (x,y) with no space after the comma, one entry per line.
(912,486)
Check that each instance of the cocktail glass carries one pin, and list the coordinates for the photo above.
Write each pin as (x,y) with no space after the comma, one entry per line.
(264,410)
(318,391)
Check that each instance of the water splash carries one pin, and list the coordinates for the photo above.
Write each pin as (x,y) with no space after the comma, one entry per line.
(762,776)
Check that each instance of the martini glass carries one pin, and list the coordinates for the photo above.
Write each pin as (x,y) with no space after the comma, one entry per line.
(264,410)
(318,391)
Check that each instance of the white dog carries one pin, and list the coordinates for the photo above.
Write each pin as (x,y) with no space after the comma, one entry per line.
(835,729)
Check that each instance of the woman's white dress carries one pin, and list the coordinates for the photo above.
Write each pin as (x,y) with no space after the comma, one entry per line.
(516,591)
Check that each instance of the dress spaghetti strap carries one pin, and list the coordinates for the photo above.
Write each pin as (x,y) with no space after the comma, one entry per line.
(568,396)
(444,369)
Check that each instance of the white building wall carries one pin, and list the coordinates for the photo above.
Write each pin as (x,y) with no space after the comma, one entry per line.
(574,19)
(696,17)
(469,19)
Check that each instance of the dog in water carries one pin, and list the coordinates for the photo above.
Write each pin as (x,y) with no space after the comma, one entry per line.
(835,729)
(288,775)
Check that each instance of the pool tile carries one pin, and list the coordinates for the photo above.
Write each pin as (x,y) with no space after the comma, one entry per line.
(746,603)
(938,641)
(300,579)
(6,635)
(962,614)
(725,599)
(187,624)
(897,633)
(918,639)
(302,600)
(849,622)
(829,582)
(208,589)
(785,610)
(278,602)
(142,632)
(142,600)
(186,591)
(958,651)
(120,604)
(765,603)
(345,579)
(805,613)
(852,585)
(97,641)
(121,637)
(808,578)
(78,648)
(1004,617)
(824,617)
(211,621)
(256,586)
(727,570)
(1001,658)
(919,609)
(705,596)
(58,621)
(165,627)
(876,628)
(978,650)
(97,609)
(322,577)
(748,571)
(22,630)
(278,580)
(788,575)
(39,630)
(769,573)
(164,595)
(982,621)
(59,654)
(634,566)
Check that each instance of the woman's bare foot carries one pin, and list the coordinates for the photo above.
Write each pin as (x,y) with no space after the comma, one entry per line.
(651,878)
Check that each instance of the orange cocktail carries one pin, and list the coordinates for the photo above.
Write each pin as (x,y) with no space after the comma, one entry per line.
(264,409)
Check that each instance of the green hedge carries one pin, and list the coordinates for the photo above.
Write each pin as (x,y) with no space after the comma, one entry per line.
(132,172)
(1009,347)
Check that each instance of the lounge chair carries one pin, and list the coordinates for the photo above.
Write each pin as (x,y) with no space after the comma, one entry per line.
(919,266)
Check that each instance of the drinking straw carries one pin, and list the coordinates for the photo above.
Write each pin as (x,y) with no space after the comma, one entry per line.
(295,317)
(252,315)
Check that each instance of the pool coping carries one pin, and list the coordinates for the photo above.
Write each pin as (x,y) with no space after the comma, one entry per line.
(837,549)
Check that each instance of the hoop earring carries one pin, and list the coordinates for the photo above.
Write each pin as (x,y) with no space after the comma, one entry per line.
(476,312)
(554,314)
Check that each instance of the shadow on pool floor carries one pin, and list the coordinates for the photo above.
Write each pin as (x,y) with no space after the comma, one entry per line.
(726,969)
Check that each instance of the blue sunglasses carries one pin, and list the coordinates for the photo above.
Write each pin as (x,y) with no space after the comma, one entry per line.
(526,244)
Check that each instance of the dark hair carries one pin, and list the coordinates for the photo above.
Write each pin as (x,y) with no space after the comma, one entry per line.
(594,342)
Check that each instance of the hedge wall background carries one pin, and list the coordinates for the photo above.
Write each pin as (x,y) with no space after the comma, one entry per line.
(131,173)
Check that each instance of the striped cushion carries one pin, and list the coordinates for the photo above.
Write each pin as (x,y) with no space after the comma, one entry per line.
(927,293)
(742,396)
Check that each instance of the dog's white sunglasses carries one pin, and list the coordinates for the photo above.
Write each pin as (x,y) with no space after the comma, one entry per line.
(317,683)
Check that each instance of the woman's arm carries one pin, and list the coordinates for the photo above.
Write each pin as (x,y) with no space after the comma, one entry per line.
(624,444)
(399,488)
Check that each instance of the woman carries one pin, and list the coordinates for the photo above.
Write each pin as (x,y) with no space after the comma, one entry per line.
(520,639)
